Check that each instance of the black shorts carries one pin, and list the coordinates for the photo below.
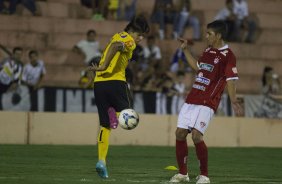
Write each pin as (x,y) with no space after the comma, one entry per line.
(114,94)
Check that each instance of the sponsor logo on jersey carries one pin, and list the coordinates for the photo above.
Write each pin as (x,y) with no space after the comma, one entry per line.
(200,74)
(123,35)
(206,66)
(234,69)
(199,87)
(129,43)
(203,80)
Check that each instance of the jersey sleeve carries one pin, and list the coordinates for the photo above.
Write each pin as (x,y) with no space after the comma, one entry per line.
(231,72)
(127,41)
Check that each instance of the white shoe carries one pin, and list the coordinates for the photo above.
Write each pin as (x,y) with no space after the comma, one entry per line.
(202,179)
(179,178)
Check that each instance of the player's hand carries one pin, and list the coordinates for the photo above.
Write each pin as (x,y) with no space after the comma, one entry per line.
(183,42)
(94,67)
(237,107)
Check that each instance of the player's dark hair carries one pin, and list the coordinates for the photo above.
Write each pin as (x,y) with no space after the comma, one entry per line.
(219,27)
(32,52)
(17,49)
(91,31)
(138,24)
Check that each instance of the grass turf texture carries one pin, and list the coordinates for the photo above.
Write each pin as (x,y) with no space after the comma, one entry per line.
(44,164)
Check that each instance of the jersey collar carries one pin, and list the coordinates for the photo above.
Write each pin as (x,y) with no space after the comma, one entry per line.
(224,47)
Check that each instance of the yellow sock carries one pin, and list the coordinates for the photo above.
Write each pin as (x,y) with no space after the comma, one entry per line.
(103,143)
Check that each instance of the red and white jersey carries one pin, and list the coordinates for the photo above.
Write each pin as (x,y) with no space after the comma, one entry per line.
(216,66)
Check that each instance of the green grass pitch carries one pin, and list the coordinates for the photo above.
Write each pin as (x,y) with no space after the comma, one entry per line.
(45,164)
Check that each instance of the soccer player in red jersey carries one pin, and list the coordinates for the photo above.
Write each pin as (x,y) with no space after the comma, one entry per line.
(215,68)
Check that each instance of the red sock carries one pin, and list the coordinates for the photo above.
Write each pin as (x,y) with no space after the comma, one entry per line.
(202,154)
(181,156)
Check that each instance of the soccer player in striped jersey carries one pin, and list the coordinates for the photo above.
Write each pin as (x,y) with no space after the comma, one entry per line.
(10,71)
(214,69)
(110,88)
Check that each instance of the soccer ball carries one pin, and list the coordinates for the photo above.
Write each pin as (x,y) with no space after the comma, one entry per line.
(128,119)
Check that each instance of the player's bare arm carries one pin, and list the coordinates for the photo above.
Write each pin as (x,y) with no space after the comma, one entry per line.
(191,60)
(114,48)
(231,88)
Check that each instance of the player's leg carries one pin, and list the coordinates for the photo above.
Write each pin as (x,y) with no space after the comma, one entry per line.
(202,155)
(181,147)
(103,146)
(121,97)
(201,123)
(105,131)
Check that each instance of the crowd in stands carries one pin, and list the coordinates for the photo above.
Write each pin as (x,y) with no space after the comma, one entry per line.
(9,7)
(16,70)
(148,70)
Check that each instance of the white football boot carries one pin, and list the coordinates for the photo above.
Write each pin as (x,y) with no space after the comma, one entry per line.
(202,179)
(177,178)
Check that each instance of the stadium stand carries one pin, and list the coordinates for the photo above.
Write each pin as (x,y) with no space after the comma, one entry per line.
(63,23)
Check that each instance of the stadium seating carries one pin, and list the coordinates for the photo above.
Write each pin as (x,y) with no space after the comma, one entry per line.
(64,22)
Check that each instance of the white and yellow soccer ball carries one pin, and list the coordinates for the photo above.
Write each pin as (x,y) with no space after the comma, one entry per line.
(128,119)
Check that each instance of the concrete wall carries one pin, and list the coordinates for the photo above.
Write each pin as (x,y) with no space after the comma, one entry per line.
(78,128)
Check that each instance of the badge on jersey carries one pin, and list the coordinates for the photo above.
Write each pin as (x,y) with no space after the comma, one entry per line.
(216,60)
(129,43)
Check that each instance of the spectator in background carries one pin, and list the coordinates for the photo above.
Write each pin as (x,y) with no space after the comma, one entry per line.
(152,53)
(33,73)
(184,18)
(127,9)
(179,62)
(113,7)
(86,79)
(99,8)
(10,71)
(244,22)
(29,4)
(227,15)
(163,14)
(181,89)
(89,48)
(270,82)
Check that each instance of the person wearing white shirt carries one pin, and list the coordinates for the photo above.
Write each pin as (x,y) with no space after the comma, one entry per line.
(89,48)
(32,75)
(229,17)
(152,53)
(244,22)
(184,18)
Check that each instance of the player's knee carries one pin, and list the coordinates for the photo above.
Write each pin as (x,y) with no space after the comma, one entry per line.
(181,134)
(196,136)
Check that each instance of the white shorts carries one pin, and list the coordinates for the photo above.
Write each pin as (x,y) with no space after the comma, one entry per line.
(194,116)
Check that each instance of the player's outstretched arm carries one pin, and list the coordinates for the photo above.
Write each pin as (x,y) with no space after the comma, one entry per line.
(191,60)
(231,88)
